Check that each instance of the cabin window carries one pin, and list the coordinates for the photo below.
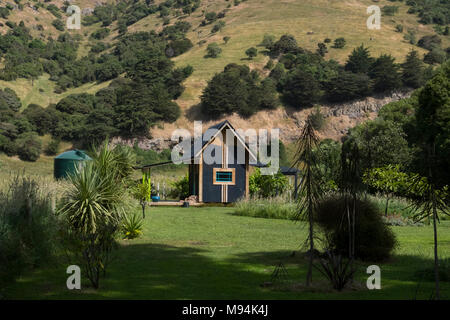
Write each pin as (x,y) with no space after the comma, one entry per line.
(223,176)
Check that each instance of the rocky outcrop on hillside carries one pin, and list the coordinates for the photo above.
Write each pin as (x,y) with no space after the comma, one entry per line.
(341,117)
(358,108)
(156,144)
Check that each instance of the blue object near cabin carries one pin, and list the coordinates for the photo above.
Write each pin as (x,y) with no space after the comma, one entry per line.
(155,198)
(67,163)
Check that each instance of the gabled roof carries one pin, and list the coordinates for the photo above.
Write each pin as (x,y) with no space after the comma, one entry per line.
(219,127)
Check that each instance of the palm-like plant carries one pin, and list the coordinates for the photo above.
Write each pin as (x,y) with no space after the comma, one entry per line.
(93,200)
(310,185)
(93,207)
(132,226)
(142,192)
(337,270)
(118,160)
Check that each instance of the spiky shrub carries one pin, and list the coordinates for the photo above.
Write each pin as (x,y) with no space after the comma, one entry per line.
(375,240)
(92,201)
(338,270)
(132,226)
(93,208)
(143,192)
(118,160)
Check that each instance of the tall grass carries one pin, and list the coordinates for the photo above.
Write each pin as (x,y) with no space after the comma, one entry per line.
(279,207)
(397,206)
(282,207)
(28,227)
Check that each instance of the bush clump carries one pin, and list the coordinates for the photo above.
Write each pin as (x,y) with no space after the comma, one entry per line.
(28,146)
(267,186)
(52,147)
(375,241)
(180,188)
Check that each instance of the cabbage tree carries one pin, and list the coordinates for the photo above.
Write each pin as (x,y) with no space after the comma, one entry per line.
(143,192)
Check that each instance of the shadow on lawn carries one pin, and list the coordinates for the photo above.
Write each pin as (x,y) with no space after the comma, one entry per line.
(411,277)
(156,271)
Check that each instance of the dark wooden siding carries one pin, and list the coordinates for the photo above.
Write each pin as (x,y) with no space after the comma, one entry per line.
(236,191)
(211,192)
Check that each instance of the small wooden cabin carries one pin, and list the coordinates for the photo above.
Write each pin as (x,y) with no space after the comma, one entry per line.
(228,180)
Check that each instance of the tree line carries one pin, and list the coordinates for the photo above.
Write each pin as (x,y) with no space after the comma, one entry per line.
(302,78)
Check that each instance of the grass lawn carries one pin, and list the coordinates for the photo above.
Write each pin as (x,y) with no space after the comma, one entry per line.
(206,253)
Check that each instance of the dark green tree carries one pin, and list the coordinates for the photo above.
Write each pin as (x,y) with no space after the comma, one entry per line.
(433,118)
(429,42)
(359,61)
(251,52)
(9,100)
(213,50)
(380,143)
(435,56)
(301,89)
(28,146)
(385,73)
(348,86)
(58,24)
(286,44)
(236,89)
(322,49)
(412,70)
(339,43)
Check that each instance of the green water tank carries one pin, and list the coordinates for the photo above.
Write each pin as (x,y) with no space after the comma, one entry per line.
(67,162)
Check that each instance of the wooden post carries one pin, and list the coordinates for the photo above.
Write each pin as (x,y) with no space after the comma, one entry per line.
(247,175)
(224,164)
(200,178)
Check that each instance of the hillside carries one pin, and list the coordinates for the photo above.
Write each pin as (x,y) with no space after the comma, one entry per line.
(309,21)
(246,23)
